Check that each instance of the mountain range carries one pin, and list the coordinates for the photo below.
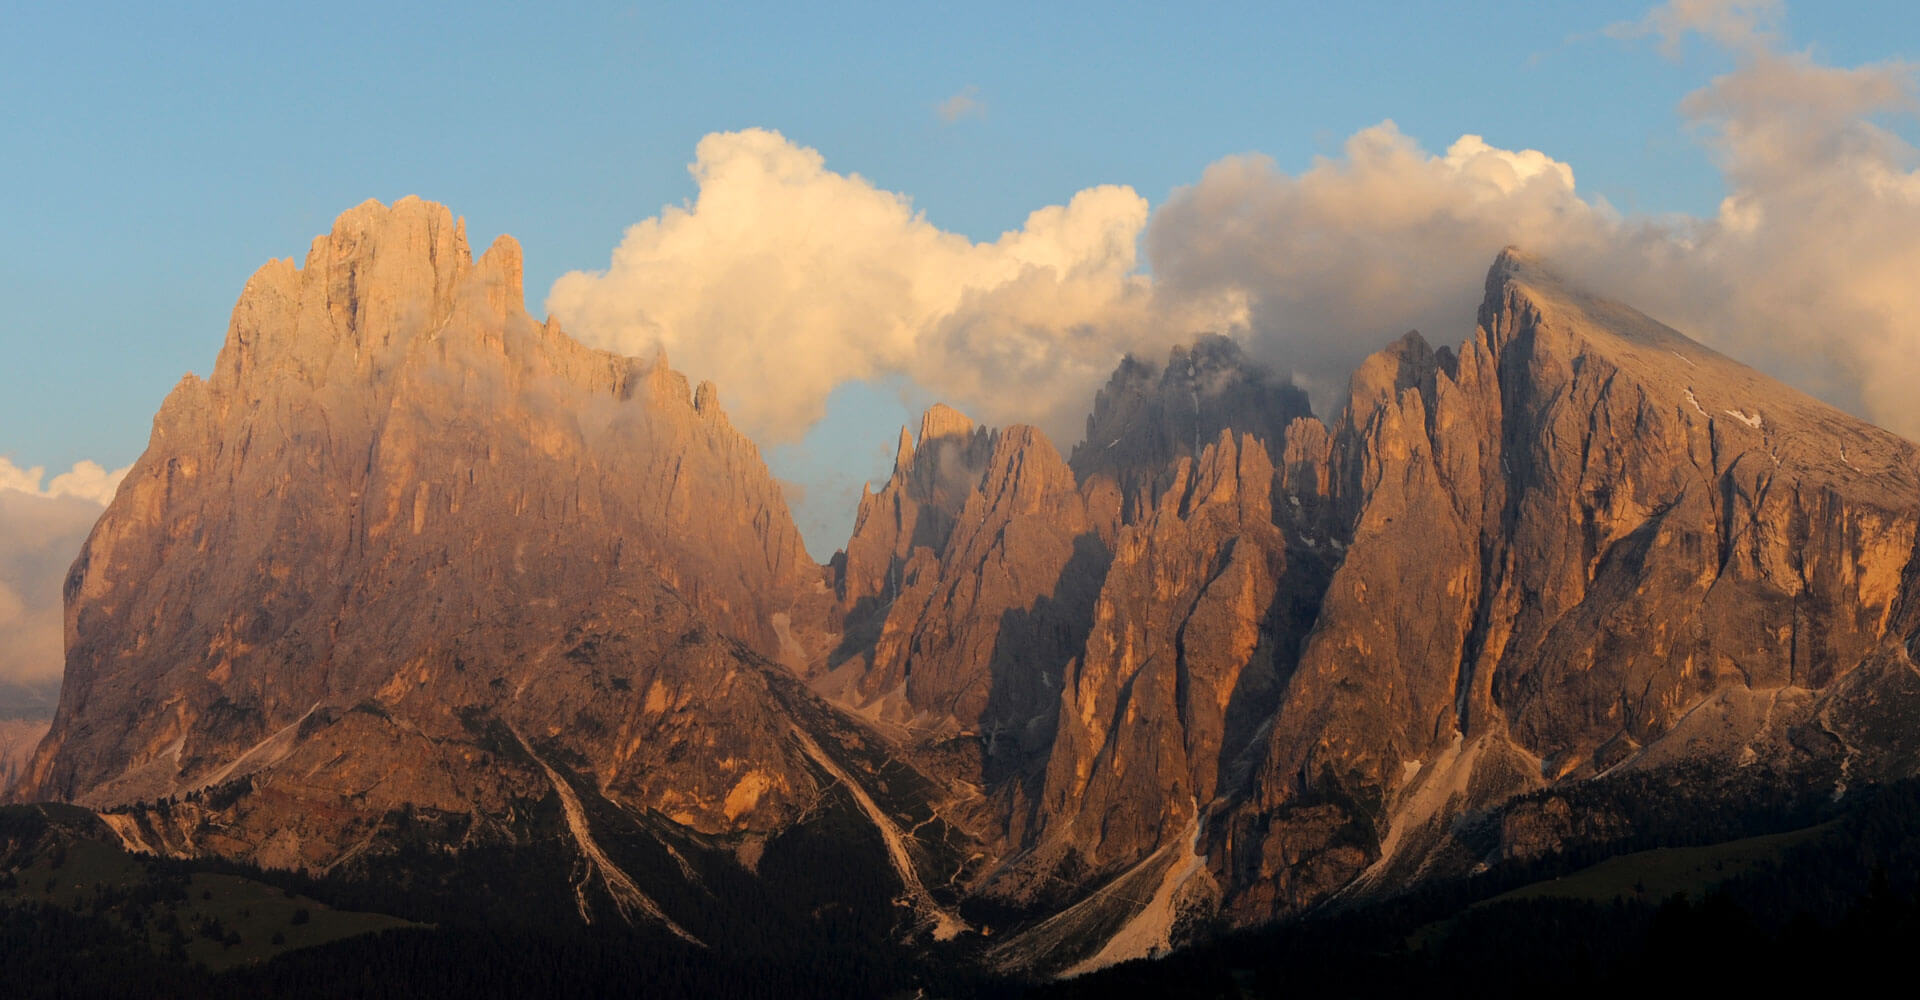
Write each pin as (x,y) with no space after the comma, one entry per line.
(413,574)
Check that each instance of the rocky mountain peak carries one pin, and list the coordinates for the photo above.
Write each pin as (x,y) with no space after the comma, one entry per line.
(500,273)
(1510,261)
(1598,533)
(1023,469)
(916,507)
(948,457)
(943,421)
(903,451)
(1408,363)
(381,276)
(942,428)
(1541,328)
(407,478)
(1148,416)
(970,636)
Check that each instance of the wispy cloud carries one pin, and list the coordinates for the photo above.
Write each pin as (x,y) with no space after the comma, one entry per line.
(1741,25)
(964,104)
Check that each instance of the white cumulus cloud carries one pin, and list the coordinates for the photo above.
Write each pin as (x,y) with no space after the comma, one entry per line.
(42,527)
(87,480)
(39,537)
(1810,270)
(1338,259)
(783,279)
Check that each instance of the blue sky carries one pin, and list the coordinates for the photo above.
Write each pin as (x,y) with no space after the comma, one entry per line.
(157,154)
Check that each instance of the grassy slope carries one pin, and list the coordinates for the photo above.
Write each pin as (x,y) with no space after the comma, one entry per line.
(88,876)
(1661,873)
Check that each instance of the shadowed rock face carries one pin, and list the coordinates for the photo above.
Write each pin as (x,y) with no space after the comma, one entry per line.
(1009,543)
(1144,419)
(18,738)
(399,509)
(963,653)
(407,549)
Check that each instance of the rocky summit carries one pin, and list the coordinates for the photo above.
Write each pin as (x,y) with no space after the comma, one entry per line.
(414,571)
(401,514)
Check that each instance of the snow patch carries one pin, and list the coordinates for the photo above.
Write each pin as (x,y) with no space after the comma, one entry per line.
(1750,419)
(1696,402)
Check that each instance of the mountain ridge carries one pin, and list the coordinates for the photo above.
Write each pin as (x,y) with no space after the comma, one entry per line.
(408,548)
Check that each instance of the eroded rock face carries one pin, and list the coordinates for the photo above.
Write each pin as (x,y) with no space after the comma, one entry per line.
(953,639)
(1109,644)
(401,515)
(1181,668)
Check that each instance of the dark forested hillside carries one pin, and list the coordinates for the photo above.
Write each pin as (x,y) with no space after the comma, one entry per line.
(1833,903)
(1834,899)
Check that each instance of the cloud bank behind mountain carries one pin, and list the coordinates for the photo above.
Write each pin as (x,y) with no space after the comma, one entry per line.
(42,525)
(784,279)
(39,538)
